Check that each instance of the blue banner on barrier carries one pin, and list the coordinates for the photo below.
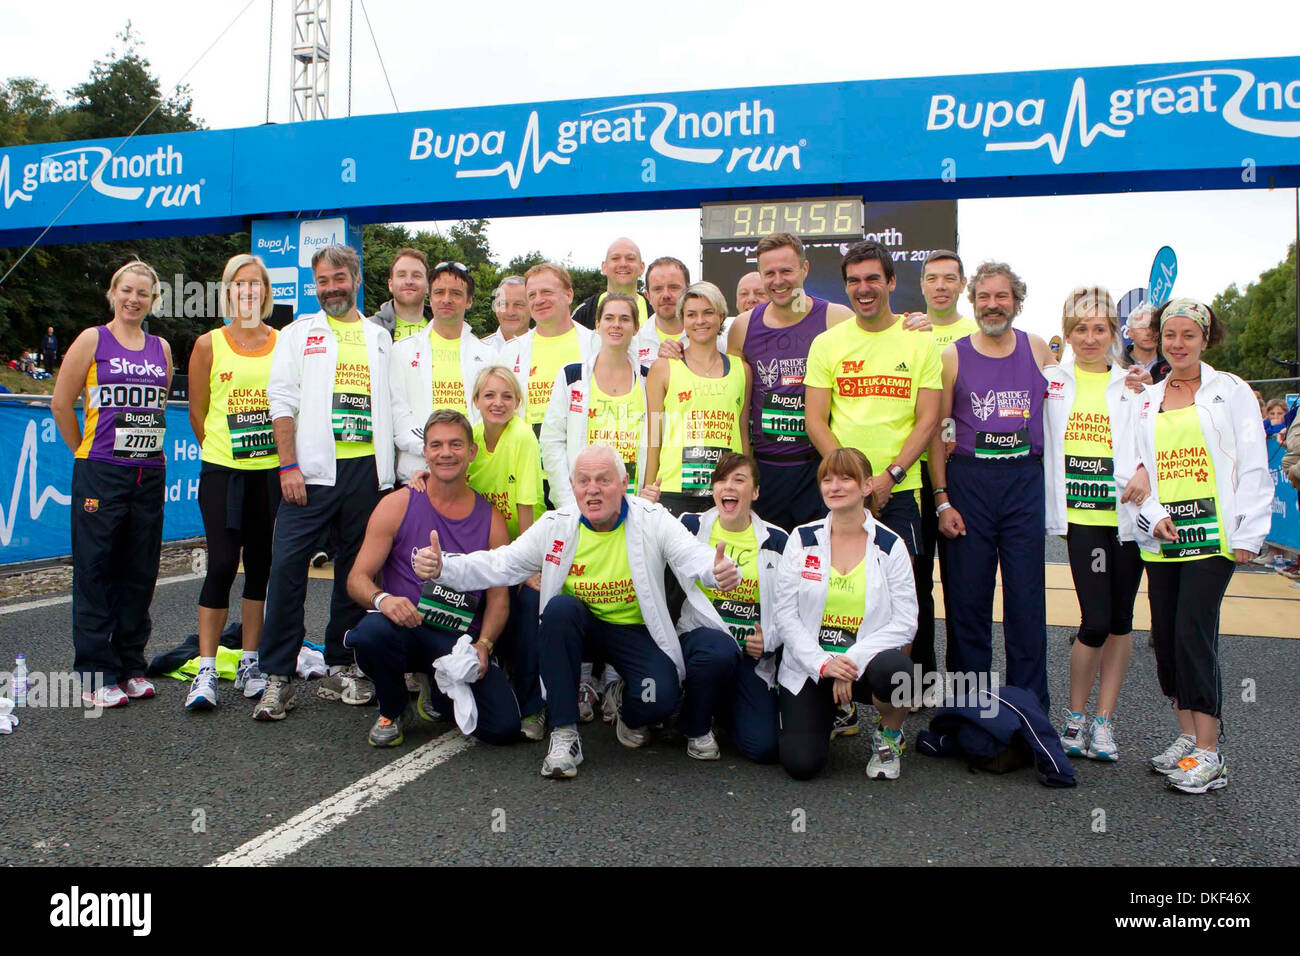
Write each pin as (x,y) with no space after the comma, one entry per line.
(36,483)
(1285,530)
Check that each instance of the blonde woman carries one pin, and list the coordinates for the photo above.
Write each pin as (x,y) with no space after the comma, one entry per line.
(118,485)
(239,481)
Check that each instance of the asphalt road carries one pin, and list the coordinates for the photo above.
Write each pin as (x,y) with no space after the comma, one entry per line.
(127,788)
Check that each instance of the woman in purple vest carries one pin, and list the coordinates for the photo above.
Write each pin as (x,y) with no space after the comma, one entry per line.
(118,486)
(415,622)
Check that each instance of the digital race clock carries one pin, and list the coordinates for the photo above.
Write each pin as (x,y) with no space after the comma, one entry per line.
(806,218)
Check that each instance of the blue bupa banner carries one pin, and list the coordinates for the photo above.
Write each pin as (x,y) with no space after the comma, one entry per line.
(1215,124)
(1285,530)
(36,483)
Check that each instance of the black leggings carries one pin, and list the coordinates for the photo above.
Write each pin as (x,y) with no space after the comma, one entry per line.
(806,717)
(248,500)
(1185,600)
(1106,574)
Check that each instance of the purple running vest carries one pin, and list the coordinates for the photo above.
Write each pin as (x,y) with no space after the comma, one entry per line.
(778,358)
(455,611)
(126,398)
(997,404)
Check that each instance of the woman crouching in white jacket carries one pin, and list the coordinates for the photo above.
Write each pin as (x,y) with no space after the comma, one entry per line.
(846,609)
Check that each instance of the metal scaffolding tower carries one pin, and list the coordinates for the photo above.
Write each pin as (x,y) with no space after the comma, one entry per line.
(310,91)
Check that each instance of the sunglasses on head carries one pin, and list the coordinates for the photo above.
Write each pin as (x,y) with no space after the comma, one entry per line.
(457,266)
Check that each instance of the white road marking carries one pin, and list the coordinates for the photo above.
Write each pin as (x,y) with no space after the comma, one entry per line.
(314,822)
(67,598)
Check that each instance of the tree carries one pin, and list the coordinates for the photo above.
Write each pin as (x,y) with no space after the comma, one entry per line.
(1261,325)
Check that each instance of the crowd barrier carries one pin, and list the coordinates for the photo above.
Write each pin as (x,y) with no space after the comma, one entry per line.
(36,481)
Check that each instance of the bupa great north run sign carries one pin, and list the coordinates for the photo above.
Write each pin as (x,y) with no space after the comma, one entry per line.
(1227,124)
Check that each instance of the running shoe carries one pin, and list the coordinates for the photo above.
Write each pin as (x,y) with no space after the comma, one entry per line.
(608,706)
(902,734)
(424,708)
(277,700)
(703,748)
(586,702)
(1199,772)
(632,737)
(1168,761)
(1101,741)
(249,678)
(533,727)
(348,684)
(565,753)
(846,721)
(886,756)
(386,732)
(203,692)
(137,688)
(105,697)
(1074,737)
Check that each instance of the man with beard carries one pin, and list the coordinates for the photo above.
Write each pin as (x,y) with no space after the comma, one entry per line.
(990,495)
(333,428)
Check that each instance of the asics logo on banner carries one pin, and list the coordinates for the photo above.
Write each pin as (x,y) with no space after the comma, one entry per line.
(120,366)
(747,131)
(92,164)
(1147,100)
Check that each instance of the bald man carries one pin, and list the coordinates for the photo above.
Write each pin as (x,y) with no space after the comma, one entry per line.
(749,292)
(622,268)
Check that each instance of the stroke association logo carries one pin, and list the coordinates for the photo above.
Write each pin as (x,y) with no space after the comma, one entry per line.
(740,138)
(1273,105)
(117,177)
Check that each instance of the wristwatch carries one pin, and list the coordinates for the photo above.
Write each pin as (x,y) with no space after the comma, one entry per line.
(897,473)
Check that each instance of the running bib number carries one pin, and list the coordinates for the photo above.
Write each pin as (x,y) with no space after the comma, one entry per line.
(697,469)
(836,640)
(1197,524)
(1002,444)
(450,610)
(740,617)
(351,418)
(1089,483)
(138,435)
(250,434)
(782,418)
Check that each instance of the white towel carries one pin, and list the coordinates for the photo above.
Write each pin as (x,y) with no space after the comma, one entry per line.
(8,719)
(311,663)
(454,673)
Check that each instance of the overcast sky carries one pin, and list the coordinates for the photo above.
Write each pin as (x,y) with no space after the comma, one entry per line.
(475,54)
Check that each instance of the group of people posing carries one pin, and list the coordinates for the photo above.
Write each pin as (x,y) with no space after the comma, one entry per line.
(643,511)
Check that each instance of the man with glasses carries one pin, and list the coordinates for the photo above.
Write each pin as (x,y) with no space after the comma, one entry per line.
(437,368)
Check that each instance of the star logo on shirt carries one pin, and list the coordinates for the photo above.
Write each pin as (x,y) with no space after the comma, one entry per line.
(1201,475)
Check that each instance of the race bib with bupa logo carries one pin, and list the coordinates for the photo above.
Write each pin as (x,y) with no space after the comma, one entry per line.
(1089,483)
(1197,524)
(1002,444)
(350,416)
(450,610)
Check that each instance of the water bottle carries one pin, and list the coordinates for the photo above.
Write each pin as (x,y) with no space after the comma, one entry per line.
(20,681)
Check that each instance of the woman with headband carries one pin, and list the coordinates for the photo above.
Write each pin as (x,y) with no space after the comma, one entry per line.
(1203,497)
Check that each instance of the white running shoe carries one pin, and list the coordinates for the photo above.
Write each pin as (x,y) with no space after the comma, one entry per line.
(1199,772)
(1167,762)
(703,748)
(105,698)
(1101,742)
(586,702)
(249,678)
(137,688)
(886,757)
(1074,738)
(564,755)
(203,692)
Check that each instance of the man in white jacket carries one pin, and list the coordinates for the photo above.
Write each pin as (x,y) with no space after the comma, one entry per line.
(436,368)
(602,564)
(333,427)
